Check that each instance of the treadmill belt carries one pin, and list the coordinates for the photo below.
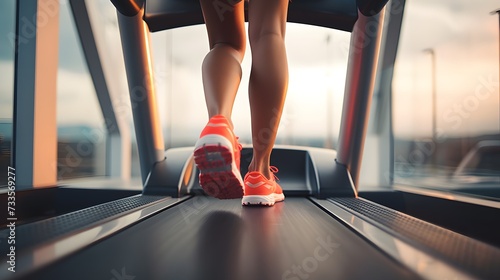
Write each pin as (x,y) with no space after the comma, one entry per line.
(206,238)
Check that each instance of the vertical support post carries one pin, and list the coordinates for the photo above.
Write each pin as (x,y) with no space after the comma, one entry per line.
(138,63)
(498,12)
(381,117)
(329,100)
(432,54)
(360,80)
(35,94)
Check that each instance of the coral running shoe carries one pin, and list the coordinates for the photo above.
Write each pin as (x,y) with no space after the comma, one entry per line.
(261,191)
(217,156)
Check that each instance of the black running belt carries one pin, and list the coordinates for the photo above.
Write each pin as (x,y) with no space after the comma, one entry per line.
(205,238)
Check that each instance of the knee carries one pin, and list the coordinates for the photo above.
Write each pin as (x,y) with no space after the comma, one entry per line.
(255,36)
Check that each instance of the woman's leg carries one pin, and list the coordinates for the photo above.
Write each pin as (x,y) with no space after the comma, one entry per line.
(221,67)
(217,151)
(268,77)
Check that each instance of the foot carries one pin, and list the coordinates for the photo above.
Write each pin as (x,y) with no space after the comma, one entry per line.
(217,156)
(262,191)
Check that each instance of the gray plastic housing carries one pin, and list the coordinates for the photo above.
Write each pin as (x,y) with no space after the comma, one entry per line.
(303,171)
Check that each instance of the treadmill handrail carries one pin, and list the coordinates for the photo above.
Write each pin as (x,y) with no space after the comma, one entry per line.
(166,14)
(128,8)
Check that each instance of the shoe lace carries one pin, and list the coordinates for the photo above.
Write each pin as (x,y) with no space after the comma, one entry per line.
(240,147)
(274,170)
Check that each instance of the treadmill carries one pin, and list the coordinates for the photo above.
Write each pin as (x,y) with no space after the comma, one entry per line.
(325,228)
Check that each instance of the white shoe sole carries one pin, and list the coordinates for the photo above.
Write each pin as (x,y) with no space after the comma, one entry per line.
(219,176)
(268,200)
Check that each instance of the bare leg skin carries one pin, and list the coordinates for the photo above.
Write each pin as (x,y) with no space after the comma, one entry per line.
(268,77)
(221,69)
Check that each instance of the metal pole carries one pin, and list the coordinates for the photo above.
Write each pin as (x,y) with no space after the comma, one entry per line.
(169,37)
(138,63)
(329,99)
(493,13)
(360,81)
(434,91)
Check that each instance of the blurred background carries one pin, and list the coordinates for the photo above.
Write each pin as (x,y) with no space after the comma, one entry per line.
(445,93)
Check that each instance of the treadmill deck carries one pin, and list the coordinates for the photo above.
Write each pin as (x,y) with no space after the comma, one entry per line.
(206,238)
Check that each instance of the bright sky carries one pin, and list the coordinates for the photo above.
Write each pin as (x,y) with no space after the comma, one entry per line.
(463,34)
(313,73)
(464,37)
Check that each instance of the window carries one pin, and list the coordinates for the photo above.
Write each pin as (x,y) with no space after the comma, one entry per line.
(7,30)
(80,125)
(317,66)
(446,97)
